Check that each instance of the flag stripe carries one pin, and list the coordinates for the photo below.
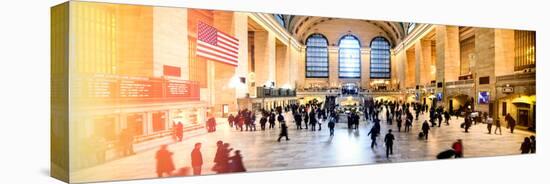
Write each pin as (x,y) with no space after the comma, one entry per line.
(209,56)
(204,49)
(230,38)
(231,46)
(222,40)
(201,44)
(228,48)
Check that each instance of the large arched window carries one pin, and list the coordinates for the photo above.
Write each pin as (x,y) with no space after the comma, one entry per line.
(349,55)
(316,56)
(380,66)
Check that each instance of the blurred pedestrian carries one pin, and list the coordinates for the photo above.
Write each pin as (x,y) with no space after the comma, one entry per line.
(425,129)
(236,162)
(458,148)
(525,146)
(196,159)
(284,132)
(388,139)
(165,164)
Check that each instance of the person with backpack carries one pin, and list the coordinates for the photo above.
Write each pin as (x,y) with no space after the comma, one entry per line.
(425,129)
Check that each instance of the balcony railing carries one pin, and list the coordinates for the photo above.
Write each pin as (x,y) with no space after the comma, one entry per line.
(517,76)
(459,82)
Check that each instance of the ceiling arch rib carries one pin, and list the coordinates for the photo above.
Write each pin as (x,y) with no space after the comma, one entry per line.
(302,26)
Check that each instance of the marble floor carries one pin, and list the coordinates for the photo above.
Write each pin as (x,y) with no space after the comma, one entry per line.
(311,149)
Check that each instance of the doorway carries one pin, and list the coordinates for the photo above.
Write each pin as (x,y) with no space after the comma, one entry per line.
(523,117)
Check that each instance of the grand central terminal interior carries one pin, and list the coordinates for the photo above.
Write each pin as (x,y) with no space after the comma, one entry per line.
(139,71)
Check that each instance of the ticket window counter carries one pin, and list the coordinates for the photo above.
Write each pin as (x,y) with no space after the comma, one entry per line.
(188,117)
(159,121)
(135,124)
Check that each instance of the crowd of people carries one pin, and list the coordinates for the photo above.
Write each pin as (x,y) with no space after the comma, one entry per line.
(312,115)
(223,162)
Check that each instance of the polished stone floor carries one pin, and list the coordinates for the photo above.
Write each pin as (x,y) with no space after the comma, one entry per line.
(310,149)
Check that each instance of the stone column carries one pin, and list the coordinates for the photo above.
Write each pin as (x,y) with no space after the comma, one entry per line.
(223,73)
(298,56)
(401,68)
(494,56)
(264,51)
(365,67)
(282,65)
(423,57)
(447,61)
(410,69)
(240,30)
(333,76)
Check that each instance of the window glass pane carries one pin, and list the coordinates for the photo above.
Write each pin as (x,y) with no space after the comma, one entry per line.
(349,55)
(316,56)
(380,58)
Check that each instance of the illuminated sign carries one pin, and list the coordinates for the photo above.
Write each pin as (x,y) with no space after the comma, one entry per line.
(109,88)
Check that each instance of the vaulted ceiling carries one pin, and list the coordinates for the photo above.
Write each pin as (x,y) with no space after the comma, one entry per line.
(302,26)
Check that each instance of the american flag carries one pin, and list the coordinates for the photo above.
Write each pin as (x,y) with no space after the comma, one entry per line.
(216,45)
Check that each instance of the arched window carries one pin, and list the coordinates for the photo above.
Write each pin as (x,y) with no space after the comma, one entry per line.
(316,56)
(380,66)
(349,55)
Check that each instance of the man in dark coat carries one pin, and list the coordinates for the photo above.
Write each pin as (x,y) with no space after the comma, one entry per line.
(271,120)
(425,129)
(511,122)
(284,132)
(373,134)
(298,120)
(196,159)
(263,121)
(312,120)
(388,139)
(306,119)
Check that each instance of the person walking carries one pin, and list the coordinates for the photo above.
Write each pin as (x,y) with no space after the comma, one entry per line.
(263,121)
(497,127)
(236,162)
(331,124)
(408,122)
(373,134)
(511,122)
(458,148)
(388,139)
(526,146)
(447,117)
(230,120)
(196,159)
(306,119)
(399,123)
(425,129)
(489,122)
(298,120)
(165,164)
(284,132)
(312,120)
(179,131)
(271,120)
